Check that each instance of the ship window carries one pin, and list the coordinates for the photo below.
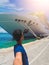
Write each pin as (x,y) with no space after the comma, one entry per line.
(30,21)
(16,20)
(19,20)
(24,21)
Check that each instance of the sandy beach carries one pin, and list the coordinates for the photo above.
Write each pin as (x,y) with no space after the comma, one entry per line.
(38,53)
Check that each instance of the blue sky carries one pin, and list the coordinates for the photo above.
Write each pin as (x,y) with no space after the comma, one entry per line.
(2,30)
(10,6)
(24,5)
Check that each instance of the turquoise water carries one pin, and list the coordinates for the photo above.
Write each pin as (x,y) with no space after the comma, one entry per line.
(6,40)
(6,44)
(5,37)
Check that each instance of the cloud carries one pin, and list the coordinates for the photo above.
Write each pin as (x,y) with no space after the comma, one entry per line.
(13,6)
(10,7)
(3,1)
(5,4)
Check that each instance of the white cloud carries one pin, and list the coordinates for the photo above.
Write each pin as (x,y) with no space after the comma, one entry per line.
(3,1)
(11,6)
(8,5)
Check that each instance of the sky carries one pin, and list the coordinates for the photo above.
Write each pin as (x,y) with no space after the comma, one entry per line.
(2,30)
(24,5)
(9,6)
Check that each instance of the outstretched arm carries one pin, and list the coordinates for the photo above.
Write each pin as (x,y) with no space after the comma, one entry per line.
(18,59)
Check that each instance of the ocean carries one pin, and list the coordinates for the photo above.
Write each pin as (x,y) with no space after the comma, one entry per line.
(6,44)
(6,40)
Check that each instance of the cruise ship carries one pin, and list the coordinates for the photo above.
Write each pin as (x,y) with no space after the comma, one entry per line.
(27,23)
